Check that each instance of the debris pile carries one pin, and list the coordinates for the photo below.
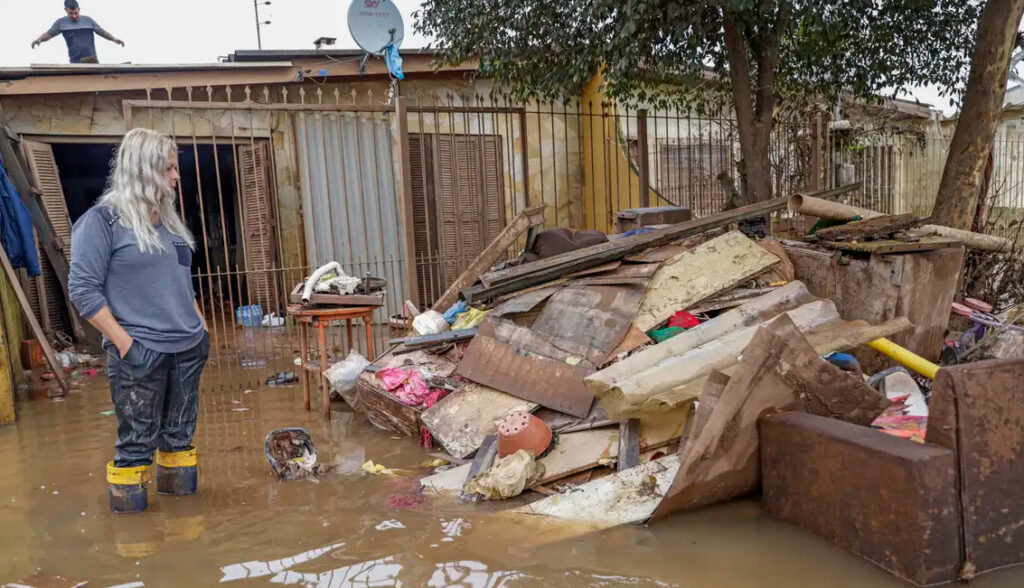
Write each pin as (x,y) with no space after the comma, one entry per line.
(628,376)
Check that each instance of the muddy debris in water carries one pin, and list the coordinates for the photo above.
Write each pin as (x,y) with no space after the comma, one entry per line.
(291,454)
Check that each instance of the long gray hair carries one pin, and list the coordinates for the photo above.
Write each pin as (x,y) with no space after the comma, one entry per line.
(137,189)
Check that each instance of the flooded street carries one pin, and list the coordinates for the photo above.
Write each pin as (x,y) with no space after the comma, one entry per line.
(247,528)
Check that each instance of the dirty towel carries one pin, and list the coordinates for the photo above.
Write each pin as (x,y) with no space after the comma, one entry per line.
(406,384)
(469,319)
(508,477)
(435,396)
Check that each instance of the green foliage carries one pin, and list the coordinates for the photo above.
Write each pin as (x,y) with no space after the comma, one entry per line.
(664,51)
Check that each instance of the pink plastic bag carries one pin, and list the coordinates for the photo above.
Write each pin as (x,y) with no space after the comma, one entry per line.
(408,385)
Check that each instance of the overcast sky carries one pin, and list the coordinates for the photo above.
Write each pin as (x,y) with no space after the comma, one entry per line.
(198,31)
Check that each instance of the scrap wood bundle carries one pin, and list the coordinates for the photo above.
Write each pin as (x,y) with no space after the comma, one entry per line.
(654,354)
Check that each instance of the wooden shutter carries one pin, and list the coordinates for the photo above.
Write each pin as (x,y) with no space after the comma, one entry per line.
(493,188)
(470,199)
(54,313)
(259,224)
(424,216)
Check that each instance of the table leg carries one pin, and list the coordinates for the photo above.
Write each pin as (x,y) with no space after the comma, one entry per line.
(304,352)
(348,327)
(368,322)
(322,336)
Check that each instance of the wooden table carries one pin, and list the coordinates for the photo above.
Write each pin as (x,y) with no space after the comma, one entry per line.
(319,317)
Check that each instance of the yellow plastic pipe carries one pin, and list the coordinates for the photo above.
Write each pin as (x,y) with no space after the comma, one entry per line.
(905,357)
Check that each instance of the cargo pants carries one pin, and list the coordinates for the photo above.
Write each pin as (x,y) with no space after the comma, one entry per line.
(156,399)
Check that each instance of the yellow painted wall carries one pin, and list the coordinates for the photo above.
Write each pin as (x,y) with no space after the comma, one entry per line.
(10,338)
(610,180)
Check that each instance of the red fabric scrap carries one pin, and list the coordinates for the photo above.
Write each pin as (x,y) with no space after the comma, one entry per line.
(683,320)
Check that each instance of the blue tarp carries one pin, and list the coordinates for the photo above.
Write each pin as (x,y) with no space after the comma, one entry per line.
(16,227)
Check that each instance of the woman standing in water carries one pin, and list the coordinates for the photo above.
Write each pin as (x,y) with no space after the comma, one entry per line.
(131,258)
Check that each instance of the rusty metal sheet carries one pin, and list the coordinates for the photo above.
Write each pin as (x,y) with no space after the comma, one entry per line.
(590,322)
(888,500)
(548,382)
(977,410)
(779,371)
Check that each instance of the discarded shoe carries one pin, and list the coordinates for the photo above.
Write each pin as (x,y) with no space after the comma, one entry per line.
(128,488)
(177,472)
(282,378)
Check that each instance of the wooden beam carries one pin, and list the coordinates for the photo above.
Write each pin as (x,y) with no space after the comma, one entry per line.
(642,163)
(629,444)
(402,120)
(37,331)
(516,278)
(529,218)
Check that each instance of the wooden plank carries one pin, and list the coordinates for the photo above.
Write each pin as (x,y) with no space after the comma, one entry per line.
(868,229)
(880,247)
(556,266)
(481,463)
(550,383)
(629,444)
(657,254)
(37,331)
(437,338)
(531,217)
(462,420)
(693,276)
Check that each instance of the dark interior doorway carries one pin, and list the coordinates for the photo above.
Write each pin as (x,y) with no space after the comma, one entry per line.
(83,169)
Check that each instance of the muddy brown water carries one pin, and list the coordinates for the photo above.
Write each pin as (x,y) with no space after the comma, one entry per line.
(247,528)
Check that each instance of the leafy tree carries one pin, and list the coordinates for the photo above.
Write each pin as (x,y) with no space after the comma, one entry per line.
(751,54)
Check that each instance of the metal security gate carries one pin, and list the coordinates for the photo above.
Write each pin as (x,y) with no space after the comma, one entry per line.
(275,187)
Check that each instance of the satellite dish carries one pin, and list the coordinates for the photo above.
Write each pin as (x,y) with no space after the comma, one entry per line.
(375,24)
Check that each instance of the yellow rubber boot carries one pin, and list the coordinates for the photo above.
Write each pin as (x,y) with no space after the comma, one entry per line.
(177,472)
(128,488)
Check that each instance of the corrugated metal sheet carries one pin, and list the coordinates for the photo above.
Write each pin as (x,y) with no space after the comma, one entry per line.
(350,203)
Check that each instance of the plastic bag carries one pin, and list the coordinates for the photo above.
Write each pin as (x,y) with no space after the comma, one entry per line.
(508,477)
(456,309)
(343,374)
(469,319)
(406,384)
(430,323)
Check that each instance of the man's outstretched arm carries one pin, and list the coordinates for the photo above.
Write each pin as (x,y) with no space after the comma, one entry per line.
(42,39)
(103,33)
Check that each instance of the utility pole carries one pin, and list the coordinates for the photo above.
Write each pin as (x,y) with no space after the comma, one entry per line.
(256,11)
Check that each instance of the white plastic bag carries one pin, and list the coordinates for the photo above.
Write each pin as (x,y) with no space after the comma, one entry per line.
(343,374)
(430,323)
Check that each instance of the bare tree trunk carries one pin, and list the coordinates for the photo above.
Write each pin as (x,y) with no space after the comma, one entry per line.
(956,201)
(984,196)
(754,105)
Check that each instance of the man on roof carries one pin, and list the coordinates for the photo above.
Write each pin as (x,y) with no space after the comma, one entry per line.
(78,34)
